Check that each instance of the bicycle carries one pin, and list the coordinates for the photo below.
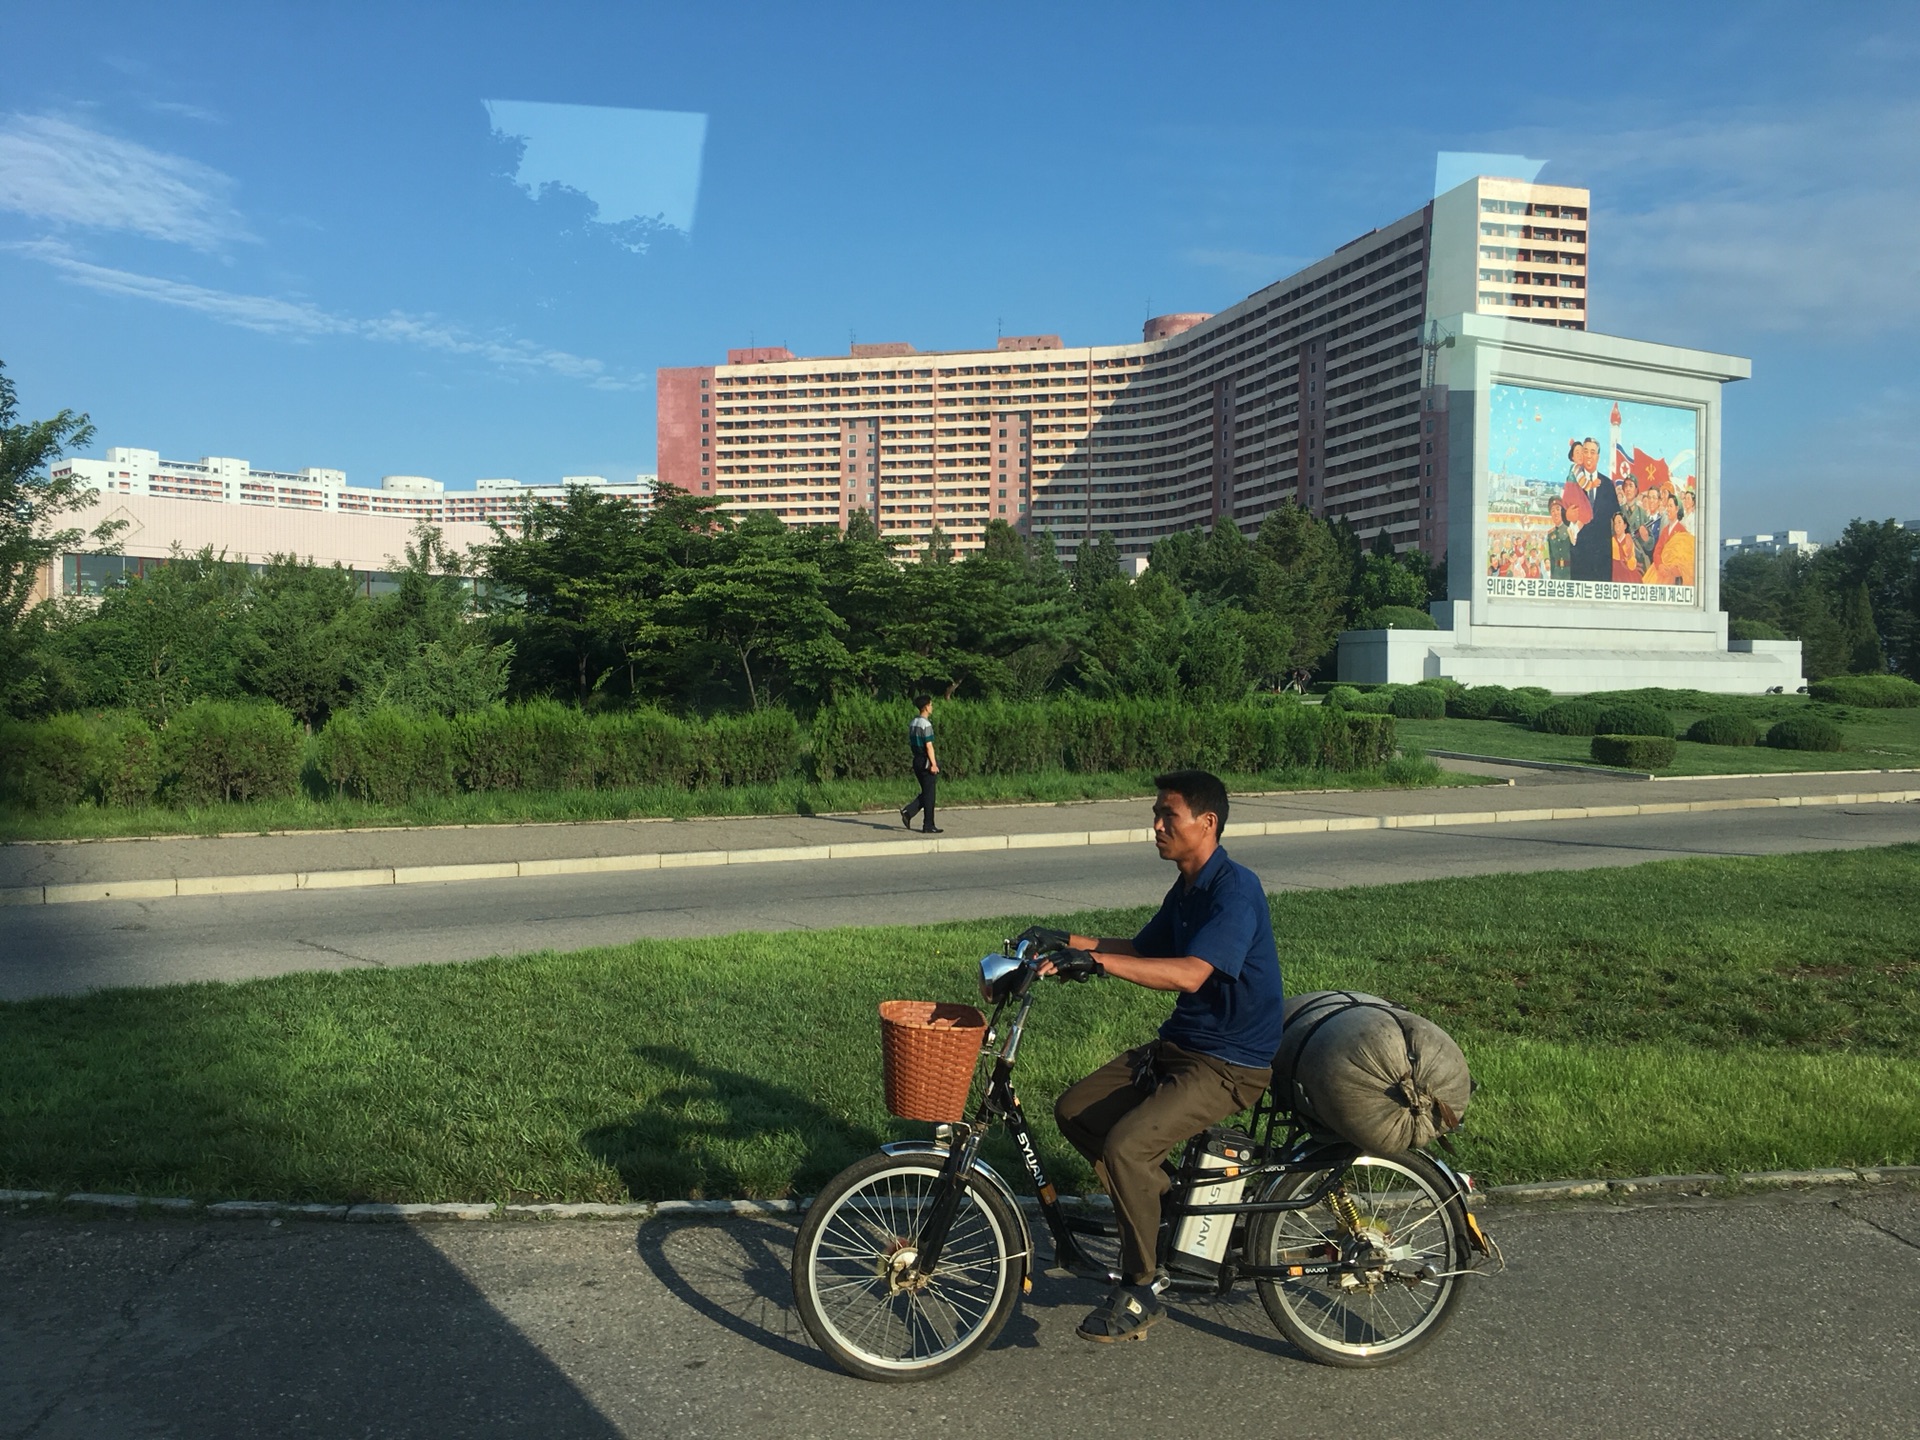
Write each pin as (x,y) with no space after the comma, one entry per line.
(911,1261)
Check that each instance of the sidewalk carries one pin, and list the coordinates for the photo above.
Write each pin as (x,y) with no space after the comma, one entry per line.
(39,873)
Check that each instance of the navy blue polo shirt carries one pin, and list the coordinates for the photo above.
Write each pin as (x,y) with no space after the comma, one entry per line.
(1223,918)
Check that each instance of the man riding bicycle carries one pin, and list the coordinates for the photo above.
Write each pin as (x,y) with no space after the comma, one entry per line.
(1212,942)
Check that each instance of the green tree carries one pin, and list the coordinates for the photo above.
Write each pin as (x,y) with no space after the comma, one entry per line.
(32,539)
(1306,585)
(165,639)
(762,606)
(564,585)
(425,648)
(302,634)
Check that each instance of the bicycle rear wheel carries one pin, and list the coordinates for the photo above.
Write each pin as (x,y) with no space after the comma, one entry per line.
(855,1271)
(1406,1234)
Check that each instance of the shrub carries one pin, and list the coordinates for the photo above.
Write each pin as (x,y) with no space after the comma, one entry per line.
(1343,697)
(222,750)
(1755,630)
(1476,702)
(1724,727)
(1445,685)
(44,765)
(1568,717)
(1419,702)
(1632,718)
(1377,701)
(541,745)
(388,755)
(754,749)
(861,739)
(1398,617)
(1805,732)
(644,747)
(1873,692)
(126,760)
(1634,752)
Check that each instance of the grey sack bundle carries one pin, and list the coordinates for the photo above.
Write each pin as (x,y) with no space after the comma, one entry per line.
(1369,1071)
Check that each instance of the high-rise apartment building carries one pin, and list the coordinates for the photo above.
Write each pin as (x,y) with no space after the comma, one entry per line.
(1315,389)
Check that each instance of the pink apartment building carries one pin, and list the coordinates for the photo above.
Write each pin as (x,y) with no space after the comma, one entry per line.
(1313,389)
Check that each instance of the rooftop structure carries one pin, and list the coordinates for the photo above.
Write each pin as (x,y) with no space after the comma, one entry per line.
(1313,390)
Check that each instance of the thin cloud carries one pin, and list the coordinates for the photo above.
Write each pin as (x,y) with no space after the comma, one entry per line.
(1797,224)
(300,320)
(1250,266)
(57,171)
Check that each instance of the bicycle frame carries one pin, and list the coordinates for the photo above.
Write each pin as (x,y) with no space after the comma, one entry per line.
(1296,1152)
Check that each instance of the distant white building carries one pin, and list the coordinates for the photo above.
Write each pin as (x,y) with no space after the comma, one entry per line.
(224,480)
(250,515)
(1781,542)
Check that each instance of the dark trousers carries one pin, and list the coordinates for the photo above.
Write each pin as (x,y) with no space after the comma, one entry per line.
(1127,1131)
(922,807)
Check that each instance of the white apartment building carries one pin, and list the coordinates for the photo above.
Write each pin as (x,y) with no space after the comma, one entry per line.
(1780,542)
(224,504)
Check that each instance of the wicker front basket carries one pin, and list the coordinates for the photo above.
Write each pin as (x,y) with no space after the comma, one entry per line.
(930,1049)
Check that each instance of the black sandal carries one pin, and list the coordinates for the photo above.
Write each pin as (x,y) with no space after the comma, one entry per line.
(1127,1313)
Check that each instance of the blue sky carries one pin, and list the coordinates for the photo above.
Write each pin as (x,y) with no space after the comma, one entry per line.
(302,236)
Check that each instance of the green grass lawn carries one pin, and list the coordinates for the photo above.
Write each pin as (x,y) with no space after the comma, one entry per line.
(1876,740)
(795,797)
(1709,1015)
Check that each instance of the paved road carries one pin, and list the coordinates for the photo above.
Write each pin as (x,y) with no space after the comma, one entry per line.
(1775,1316)
(72,948)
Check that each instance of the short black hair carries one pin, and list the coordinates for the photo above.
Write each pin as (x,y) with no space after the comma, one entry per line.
(920,702)
(1202,791)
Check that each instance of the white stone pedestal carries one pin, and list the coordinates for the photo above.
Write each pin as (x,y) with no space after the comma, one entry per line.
(1566,661)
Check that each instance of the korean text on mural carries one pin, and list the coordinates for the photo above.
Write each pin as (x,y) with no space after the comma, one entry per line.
(1504,585)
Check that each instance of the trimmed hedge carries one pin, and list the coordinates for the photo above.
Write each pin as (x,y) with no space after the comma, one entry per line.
(1397,617)
(1446,685)
(115,758)
(866,739)
(220,750)
(1633,718)
(1419,702)
(1871,692)
(1724,727)
(390,755)
(215,751)
(1634,752)
(1569,717)
(1342,697)
(1805,732)
(1476,702)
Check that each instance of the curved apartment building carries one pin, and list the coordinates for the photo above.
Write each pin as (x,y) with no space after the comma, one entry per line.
(1316,389)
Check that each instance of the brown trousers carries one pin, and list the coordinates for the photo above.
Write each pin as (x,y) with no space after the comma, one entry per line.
(1127,1131)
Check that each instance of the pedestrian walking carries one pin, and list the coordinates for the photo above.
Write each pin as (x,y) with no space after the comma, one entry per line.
(926,767)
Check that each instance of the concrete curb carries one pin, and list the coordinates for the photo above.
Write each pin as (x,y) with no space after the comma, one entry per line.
(368,1212)
(1599,772)
(163,889)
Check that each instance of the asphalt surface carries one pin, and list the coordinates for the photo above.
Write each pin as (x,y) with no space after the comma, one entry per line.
(67,949)
(1787,1315)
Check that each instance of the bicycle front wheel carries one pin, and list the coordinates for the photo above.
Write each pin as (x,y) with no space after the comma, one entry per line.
(856,1276)
(1398,1231)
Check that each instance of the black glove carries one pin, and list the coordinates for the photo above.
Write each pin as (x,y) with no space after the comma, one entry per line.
(1070,964)
(1043,940)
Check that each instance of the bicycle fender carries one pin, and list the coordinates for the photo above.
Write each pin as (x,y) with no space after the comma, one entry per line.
(984,1171)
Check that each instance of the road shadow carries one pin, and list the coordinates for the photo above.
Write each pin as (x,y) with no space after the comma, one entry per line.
(704,1134)
(242,1329)
(735,1274)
